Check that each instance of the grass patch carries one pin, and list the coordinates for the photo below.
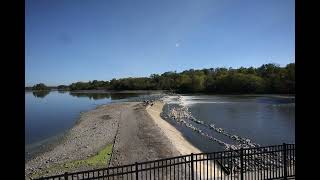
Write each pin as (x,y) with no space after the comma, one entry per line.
(101,159)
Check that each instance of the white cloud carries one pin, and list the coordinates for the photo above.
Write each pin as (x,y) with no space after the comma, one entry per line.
(177,44)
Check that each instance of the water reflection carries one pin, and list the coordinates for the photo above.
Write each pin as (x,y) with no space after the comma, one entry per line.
(40,94)
(96,96)
(117,96)
(62,91)
(275,100)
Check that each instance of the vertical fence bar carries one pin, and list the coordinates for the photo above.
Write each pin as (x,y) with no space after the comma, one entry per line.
(137,177)
(192,170)
(285,160)
(214,165)
(199,165)
(207,166)
(66,175)
(231,164)
(158,170)
(174,168)
(241,164)
(154,170)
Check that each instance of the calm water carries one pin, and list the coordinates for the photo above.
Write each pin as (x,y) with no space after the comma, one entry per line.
(266,120)
(50,114)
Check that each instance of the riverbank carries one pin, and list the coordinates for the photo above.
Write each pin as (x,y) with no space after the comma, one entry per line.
(139,138)
(181,144)
(92,134)
(114,134)
(177,139)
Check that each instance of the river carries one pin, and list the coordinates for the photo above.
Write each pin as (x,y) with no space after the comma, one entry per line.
(264,119)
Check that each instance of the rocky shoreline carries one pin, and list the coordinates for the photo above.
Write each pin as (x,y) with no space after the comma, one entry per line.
(94,130)
(125,127)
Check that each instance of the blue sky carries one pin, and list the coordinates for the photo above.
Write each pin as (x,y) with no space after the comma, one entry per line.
(81,40)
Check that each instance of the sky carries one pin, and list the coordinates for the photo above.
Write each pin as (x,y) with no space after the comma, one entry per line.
(80,40)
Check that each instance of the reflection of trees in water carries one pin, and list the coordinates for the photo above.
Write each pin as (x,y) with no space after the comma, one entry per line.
(116,96)
(62,91)
(40,94)
(276,100)
(96,96)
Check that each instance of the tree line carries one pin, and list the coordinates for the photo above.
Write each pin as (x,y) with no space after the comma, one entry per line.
(268,78)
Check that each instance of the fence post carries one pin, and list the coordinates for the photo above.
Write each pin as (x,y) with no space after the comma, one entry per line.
(241,164)
(137,171)
(285,160)
(192,173)
(66,175)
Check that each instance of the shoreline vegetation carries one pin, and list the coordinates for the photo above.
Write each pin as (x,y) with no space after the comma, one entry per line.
(266,79)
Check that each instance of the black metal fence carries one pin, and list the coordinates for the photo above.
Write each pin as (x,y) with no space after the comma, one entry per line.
(270,162)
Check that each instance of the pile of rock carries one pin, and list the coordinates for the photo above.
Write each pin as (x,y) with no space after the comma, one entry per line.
(180,113)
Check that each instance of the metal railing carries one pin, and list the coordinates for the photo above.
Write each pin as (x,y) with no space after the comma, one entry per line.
(270,162)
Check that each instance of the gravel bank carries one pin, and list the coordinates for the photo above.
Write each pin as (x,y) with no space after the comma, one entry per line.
(139,138)
(93,131)
(128,125)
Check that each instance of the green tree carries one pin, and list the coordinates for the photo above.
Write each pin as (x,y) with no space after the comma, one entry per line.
(268,78)
(41,87)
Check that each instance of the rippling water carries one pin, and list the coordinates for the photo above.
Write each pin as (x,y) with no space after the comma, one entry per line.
(264,119)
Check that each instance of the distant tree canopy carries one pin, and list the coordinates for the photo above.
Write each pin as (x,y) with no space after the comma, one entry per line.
(63,87)
(41,87)
(91,85)
(268,78)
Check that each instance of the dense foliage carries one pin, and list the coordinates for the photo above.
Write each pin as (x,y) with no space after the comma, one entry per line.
(63,87)
(89,85)
(41,87)
(268,78)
